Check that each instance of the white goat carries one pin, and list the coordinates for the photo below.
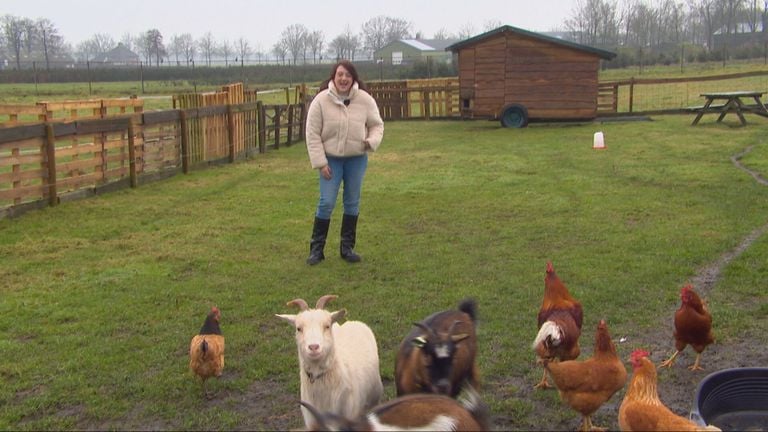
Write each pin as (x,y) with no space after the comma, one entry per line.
(338,364)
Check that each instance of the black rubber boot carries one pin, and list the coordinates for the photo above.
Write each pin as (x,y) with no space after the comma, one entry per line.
(348,235)
(317,244)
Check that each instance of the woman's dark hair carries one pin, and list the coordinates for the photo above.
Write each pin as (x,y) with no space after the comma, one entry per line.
(352,71)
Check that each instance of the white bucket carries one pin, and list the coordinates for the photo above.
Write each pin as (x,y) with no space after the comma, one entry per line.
(599,141)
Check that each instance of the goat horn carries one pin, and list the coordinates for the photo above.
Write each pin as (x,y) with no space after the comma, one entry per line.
(323,300)
(298,302)
(425,328)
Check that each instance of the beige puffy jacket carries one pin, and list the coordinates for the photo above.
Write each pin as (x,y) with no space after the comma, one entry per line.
(335,129)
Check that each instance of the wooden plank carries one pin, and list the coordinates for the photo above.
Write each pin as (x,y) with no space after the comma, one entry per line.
(21,192)
(86,127)
(26,175)
(18,133)
(152,118)
(79,164)
(24,159)
(87,149)
(75,182)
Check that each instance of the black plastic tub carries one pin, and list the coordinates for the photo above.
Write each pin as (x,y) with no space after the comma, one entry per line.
(733,399)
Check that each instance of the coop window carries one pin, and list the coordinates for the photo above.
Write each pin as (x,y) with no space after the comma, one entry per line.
(465,103)
(397,57)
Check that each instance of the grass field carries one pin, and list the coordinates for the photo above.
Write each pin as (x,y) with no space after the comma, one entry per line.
(101,297)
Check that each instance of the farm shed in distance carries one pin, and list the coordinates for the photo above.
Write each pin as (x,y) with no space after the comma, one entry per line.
(515,75)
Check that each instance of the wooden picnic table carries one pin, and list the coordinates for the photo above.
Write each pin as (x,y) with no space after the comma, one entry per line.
(732,104)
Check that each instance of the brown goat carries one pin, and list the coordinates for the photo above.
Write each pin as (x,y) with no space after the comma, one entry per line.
(412,412)
(438,356)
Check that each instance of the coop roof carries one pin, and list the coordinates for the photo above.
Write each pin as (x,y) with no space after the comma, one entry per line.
(607,55)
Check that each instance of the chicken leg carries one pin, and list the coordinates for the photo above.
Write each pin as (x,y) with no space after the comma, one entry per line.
(543,384)
(696,366)
(670,361)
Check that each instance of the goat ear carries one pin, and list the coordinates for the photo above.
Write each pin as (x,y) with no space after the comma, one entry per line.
(459,337)
(338,315)
(290,318)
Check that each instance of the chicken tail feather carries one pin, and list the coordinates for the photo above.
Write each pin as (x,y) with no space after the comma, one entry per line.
(548,331)
(204,348)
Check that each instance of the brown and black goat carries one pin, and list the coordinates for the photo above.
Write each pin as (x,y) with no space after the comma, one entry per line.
(431,412)
(438,356)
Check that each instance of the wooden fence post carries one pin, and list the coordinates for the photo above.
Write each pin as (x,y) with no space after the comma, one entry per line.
(290,124)
(132,153)
(631,92)
(277,126)
(426,104)
(231,133)
(184,142)
(50,152)
(262,126)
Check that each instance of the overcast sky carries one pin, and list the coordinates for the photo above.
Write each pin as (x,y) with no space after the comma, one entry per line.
(261,22)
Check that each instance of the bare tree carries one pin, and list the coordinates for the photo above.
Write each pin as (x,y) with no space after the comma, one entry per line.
(207,46)
(466,31)
(280,51)
(345,45)
(381,30)
(294,38)
(243,49)
(127,40)
(441,34)
(13,31)
(491,25)
(594,22)
(102,42)
(50,40)
(180,47)
(225,49)
(315,41)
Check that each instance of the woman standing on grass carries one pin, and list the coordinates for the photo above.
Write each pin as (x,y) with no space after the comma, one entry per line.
(343,125)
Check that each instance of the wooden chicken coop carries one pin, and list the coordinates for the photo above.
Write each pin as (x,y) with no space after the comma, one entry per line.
(515,75)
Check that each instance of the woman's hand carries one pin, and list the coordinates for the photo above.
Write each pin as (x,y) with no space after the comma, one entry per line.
(326,172)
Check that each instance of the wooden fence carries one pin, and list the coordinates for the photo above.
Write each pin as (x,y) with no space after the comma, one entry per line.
(417,99)
(45,163)
(671,95)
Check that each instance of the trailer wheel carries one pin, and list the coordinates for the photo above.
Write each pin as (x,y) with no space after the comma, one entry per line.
(514,116)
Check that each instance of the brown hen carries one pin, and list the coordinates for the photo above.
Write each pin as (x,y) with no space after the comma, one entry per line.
(586,385)
(559,319)
(642,410)
(206,351)
(693,326)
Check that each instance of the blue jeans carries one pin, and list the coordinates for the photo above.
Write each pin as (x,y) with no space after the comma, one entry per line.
(351,171)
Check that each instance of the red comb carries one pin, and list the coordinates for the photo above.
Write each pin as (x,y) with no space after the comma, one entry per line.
(550,269)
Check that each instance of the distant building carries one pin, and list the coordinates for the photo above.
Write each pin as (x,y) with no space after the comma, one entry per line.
(117,56)
(743,34)
(408,51)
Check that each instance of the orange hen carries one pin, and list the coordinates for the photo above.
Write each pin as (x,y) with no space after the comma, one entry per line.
(586,385)
(559,319)
(642,410)
(693,326)
(206,351)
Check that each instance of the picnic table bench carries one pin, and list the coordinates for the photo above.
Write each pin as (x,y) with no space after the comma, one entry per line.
(732,104)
